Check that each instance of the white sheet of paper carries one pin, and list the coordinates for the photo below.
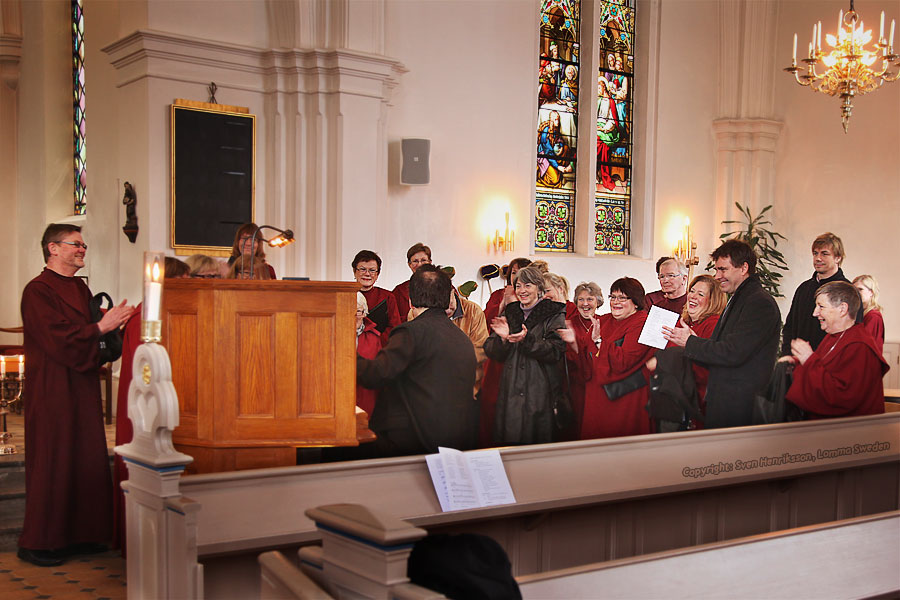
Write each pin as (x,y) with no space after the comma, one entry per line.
(490,478)
(652,334)
(439,479)
(461,492)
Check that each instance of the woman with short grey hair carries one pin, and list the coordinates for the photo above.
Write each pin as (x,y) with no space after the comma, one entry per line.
(526,341)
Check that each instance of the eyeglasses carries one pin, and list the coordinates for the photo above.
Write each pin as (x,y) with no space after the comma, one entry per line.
(362,270)
(662,276)
(360,313)
(73,244)
(618,298)
(420,261)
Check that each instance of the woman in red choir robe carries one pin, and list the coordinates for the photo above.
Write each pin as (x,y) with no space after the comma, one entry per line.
(490,383)
(843,376)
(558,291)
(704,306)
(382,303)
(368,343)
(872,319)
(585,326)
(618,368)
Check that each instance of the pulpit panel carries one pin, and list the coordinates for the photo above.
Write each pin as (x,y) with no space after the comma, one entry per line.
(256,365)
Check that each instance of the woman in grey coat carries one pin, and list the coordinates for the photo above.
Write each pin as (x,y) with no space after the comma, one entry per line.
(525,340)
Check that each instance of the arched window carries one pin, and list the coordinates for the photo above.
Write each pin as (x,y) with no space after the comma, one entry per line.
(78,102)
(557,178)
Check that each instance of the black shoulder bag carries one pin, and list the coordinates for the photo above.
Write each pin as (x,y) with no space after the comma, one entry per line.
(111,341)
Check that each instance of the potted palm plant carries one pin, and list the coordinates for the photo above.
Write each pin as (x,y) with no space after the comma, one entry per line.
(757,232)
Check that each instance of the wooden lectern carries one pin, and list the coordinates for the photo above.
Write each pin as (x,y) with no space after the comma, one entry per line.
(261,368)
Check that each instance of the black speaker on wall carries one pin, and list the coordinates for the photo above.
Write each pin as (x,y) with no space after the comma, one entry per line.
(414,161)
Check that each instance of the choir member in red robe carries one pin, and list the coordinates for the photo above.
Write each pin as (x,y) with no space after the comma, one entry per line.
(843,377)
(418,254)
(493,370)
(557,288)
(872,319)
(68,501)
(585,326)
(366,268)
(620,358)
(672,295)
(368,343)
(705,303)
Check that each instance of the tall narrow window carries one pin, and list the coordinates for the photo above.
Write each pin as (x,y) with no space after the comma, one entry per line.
(615,79)
(78,88)
(557,125)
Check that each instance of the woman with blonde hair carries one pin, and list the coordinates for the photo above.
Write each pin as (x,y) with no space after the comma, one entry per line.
(872,318)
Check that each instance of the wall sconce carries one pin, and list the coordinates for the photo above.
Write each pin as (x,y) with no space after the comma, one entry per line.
(505,242)
(686,249)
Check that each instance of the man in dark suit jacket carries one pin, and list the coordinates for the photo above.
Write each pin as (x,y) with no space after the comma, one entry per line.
(427,370)
(741,351)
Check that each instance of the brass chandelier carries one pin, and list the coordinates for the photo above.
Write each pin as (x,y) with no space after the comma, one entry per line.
(846,70)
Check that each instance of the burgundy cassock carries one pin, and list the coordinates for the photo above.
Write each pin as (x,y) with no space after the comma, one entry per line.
(874,324)
(842,378)
(374,296)
(619,356)
(131,339)
(368,343)
(67,480)
(580,368)
(490,383)
(401,295)
(659,299)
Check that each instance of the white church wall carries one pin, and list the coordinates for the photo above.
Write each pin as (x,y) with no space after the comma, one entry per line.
(827,180)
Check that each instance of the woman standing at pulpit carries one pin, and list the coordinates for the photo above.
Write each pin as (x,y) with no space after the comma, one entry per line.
(246,248)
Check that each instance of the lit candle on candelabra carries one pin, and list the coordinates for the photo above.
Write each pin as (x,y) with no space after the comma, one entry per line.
(891,40)
(881,29)
(795,49)
(151,323)
(21,365)
(2,366)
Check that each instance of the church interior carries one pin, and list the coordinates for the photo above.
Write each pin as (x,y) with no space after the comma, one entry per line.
(335,86)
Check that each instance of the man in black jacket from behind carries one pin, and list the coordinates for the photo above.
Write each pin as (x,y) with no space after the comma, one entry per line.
(740,354)
(427,370)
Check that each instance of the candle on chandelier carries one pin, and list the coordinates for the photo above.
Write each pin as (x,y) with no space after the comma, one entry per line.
(840,23)
(891,42)
(881,28)
(795,48)
(21,365)
(819,37)
(812,44)
(2,366)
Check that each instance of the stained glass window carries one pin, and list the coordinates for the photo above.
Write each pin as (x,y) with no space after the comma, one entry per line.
(557,125)
(615,80)
(78,88)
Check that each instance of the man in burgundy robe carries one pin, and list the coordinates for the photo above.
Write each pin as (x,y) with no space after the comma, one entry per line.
(672,295)
(67,479)
(418,254)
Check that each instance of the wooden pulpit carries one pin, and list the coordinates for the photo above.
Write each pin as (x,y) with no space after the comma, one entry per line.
(261,368)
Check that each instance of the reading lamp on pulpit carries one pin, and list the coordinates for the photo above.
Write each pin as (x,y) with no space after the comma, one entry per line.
(283,238)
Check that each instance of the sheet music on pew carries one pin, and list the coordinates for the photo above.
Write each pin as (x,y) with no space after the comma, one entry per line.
(464,480)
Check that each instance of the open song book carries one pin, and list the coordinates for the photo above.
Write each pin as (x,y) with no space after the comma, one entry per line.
(466,480)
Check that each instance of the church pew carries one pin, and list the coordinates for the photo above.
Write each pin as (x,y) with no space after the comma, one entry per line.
(578,502)
(852,558)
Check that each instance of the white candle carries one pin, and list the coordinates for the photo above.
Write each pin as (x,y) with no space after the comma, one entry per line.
(152,300)
(891,42)
(881,28)
(840,23)
(819,37)
(21,364)
(795,48)
(813,44)
(2,366)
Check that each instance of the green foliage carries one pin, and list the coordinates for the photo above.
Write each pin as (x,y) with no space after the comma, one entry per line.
(756,232)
